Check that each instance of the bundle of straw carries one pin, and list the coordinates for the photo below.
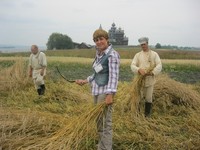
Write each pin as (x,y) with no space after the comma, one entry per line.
(135,91)
(73,134)
(15,77)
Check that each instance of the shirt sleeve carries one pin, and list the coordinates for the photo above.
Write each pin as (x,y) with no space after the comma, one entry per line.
(134,64)
(113,63)
(43,60)
(158,63)
(90,78)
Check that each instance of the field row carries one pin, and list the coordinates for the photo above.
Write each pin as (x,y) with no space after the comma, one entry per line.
(90,60)
(186,71)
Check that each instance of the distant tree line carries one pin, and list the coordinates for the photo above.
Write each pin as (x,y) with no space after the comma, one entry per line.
(159,46)
(59,41)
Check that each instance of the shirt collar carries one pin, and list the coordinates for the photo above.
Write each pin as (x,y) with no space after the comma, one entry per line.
(36,55)
(106,50)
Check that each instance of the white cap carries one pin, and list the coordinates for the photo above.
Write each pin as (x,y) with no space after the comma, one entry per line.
(143,40)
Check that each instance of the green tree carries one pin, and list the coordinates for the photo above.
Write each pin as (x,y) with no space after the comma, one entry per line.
(158,45)
(59,41)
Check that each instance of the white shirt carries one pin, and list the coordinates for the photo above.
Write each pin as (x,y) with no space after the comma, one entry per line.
(147,60)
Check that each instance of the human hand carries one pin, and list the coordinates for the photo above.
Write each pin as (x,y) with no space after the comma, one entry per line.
(142,72)
(109,99)
(81,82)
(42,72)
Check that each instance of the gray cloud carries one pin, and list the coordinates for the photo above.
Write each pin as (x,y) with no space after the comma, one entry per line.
(166,21)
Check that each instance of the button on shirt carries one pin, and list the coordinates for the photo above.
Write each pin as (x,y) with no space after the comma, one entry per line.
(113,63)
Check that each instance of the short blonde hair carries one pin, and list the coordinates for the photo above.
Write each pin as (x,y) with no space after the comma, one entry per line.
(100,33)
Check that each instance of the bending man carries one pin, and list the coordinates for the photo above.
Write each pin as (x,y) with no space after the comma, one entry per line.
(38,64)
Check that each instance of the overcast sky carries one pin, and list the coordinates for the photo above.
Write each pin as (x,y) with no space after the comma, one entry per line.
(168,22)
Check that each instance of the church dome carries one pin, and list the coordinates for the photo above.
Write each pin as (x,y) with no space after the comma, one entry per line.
(113,25)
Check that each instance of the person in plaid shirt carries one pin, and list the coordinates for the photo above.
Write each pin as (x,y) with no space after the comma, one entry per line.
(104,83)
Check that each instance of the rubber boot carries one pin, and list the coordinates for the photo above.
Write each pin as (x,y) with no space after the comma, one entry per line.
(39,91)
(148,107)
(42,89)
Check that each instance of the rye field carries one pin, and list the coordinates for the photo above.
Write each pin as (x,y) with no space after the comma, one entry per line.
(64,118)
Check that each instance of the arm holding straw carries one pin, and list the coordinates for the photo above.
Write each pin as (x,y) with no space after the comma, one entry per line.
(135,66)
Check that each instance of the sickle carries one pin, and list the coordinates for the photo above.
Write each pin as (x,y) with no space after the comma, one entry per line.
(71,81)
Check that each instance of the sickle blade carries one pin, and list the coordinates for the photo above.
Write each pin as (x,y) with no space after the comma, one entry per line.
(71,81)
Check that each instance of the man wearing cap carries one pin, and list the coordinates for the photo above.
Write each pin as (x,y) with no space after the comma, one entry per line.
(37,68)
(104,83)
(146,63)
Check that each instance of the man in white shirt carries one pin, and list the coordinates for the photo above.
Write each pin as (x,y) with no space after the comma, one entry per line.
(37,69)
(146,63)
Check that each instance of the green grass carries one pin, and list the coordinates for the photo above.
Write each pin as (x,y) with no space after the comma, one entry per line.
(6,63)
(186,73)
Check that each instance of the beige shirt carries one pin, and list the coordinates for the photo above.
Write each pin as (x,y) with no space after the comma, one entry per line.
(147,60)
(37,62)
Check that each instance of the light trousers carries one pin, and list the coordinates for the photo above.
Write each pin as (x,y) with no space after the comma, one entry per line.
(104,125)
(147,93)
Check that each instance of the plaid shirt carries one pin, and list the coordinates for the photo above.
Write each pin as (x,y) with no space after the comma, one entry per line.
(113,63)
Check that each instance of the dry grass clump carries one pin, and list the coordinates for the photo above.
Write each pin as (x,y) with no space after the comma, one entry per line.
(21,126)
(168,92)
(34,130)
(168,128)
(14,77)
(60,97)
(74,134)
(162,132)
(174,123)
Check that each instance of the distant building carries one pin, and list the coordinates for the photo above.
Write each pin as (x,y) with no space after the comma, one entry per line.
(76,44)
(84,46)
(117,36)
